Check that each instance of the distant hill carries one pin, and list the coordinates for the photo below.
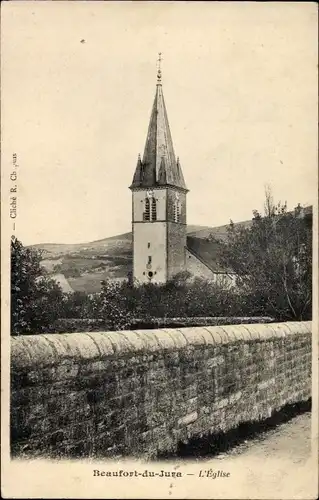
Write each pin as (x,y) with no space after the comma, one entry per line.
(120,244)
(55,250)
(85,265)
(219,232)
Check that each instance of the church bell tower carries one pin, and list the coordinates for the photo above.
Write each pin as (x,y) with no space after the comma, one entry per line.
(158,202)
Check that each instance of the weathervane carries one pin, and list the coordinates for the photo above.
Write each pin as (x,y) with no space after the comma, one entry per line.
(159,72)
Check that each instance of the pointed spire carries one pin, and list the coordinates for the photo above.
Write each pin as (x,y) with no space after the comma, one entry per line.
(138,176)
(180,172)
(159,160)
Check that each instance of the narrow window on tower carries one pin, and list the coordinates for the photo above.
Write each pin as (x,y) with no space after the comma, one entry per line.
(146,215)
(154,215)
(177,211)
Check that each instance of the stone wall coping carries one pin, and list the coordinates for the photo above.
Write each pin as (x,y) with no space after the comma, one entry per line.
(29,351)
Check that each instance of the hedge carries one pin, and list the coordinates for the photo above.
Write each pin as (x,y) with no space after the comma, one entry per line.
(66,325)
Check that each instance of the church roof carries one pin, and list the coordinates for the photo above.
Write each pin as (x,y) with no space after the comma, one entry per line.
(159,166)
(207,251)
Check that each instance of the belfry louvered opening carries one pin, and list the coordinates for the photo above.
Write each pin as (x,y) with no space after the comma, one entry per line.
(147,211)
(153,213)
(177,211)
(150,209)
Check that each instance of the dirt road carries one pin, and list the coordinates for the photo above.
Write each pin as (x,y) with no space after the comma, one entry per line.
(278,464)
(291,441)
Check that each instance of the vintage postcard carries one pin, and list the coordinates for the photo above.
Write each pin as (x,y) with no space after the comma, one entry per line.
(159,250)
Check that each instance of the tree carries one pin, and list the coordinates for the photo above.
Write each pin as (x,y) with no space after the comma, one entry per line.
(273,261)
(111,306)
(35,298)
(77,305)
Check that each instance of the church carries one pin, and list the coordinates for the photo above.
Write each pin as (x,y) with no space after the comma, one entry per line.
(161,248)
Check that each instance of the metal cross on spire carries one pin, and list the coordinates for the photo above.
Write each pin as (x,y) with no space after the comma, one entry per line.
(159,72)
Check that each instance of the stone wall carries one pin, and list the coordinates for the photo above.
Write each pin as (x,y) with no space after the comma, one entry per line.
(176,248)
(141,392)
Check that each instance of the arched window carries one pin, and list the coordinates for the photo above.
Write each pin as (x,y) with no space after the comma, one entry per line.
(154,214)
(150,209)
(177,211)
(147,209)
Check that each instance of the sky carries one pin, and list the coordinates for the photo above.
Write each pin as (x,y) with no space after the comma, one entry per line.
(78,83)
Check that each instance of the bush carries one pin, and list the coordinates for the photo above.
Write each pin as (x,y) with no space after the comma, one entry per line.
(179,302)
(196,321)
(69,325)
